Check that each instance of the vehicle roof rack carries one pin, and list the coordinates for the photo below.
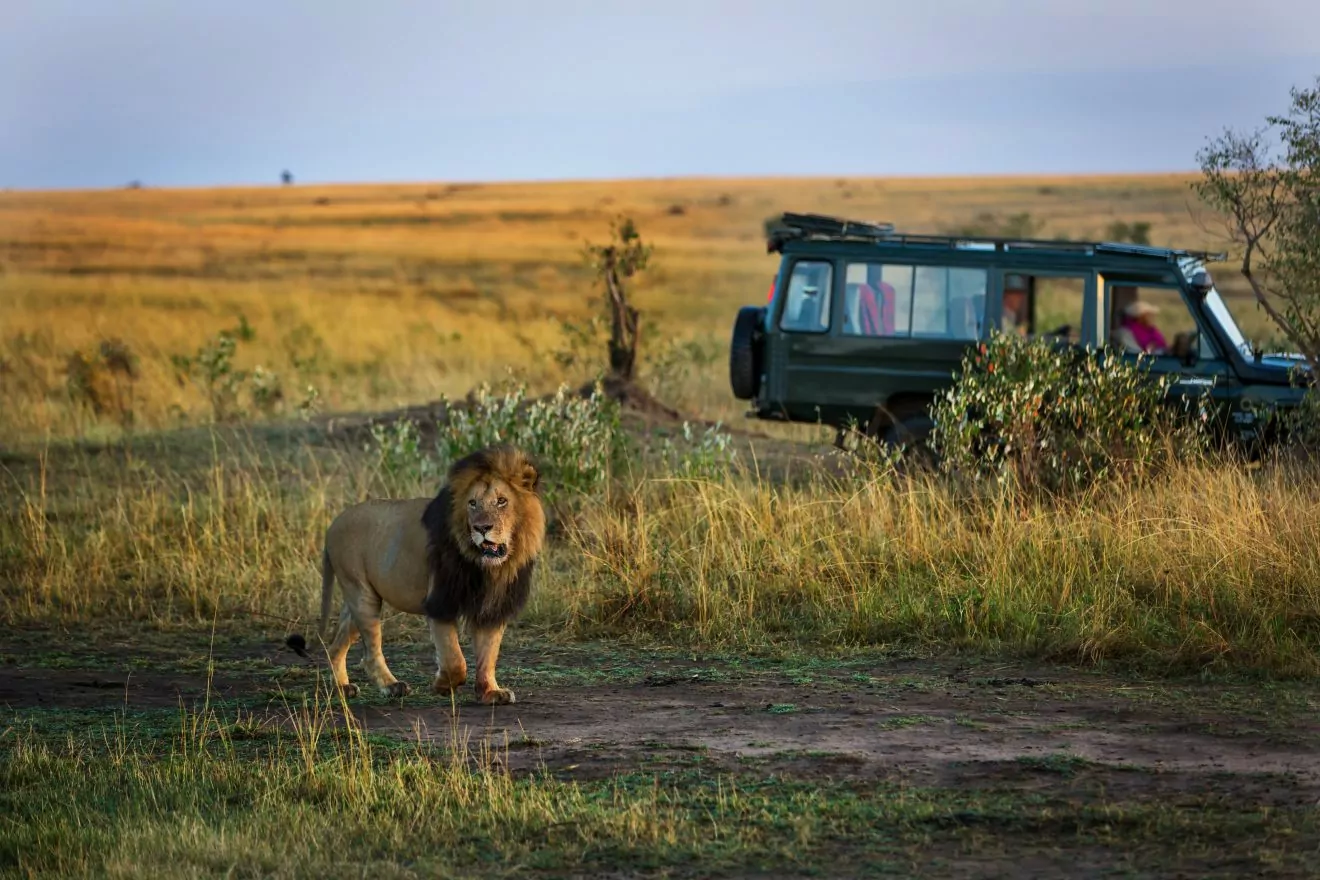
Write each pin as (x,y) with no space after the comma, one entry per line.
(789,226)
(819,227)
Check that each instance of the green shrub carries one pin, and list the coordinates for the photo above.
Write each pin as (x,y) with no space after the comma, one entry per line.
(213,369)
(577,441)
(1059,418)
(705,455)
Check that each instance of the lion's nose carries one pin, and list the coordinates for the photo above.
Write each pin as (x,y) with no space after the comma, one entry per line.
(483,528)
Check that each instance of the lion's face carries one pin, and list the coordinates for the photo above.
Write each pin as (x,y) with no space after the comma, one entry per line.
(497,517)
(491,519)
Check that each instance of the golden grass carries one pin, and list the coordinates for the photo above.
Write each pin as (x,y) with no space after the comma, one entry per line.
(1210,566)
(415,291)
(421,290)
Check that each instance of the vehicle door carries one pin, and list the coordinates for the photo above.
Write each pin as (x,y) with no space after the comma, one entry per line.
(1176,342)
(803,314)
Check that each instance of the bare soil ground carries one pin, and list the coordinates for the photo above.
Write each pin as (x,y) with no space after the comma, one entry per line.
(588,712)
(933,722)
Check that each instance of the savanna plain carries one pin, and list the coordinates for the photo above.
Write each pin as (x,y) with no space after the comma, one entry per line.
(746,654)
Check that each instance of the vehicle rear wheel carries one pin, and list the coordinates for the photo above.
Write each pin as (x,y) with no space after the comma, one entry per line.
(745,352)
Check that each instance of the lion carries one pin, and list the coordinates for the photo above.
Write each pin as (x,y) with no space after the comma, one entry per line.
(467,553)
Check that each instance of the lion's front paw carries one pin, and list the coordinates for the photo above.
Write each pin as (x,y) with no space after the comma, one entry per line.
(448,682)
(497,696)
(395,689)
(348,690)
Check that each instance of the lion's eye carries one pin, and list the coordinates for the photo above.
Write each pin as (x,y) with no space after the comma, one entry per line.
(502,502)
(472,503)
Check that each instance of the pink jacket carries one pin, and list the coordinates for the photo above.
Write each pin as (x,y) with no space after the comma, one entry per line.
(1149,338)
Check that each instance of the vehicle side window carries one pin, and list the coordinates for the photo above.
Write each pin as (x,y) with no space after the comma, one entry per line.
(875,299)
(1153,318)
(807,303)
(1060,303)
(948,303)
(889,300)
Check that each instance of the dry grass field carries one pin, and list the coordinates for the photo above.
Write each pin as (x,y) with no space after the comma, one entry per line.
(383,295)
(783,663)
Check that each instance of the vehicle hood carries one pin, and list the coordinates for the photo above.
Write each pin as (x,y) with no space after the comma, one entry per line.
(1280,360)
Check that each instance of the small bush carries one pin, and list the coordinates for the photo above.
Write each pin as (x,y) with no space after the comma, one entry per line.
(231,391)
(989,225)
(1134,233)
(400,456)
(1058,418)
(703,456)
(104,380)
(1298,428)
(577,441)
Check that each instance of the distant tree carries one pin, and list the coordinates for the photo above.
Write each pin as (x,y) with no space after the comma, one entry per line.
(615,264)
(1270,197)
(287,177)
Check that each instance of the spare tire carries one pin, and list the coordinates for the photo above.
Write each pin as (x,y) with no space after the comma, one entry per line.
(745,352)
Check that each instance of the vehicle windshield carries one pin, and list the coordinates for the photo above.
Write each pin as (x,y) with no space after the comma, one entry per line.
(1218,310)
(1214,304)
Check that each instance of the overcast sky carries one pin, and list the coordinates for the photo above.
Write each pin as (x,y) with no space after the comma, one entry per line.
(200,92)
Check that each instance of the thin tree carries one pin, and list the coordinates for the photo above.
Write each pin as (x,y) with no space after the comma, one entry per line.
(1270,198)
(615,265)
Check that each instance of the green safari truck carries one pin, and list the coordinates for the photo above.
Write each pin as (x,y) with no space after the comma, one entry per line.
(865,324)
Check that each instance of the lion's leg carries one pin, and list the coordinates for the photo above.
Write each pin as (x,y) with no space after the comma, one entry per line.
(345,636)
(486,641)
(366,611)
(451,668)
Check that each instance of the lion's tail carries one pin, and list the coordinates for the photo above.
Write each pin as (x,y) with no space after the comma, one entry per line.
(327,586)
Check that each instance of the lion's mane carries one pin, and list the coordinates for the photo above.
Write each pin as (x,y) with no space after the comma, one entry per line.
(460,587)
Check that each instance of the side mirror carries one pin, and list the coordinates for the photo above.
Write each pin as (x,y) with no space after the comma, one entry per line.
(1202,283)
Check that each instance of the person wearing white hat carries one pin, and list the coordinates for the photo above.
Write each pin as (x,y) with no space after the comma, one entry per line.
(1137,332)
(1014,317)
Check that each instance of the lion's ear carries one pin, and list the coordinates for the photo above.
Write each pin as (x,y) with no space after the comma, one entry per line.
(530,477)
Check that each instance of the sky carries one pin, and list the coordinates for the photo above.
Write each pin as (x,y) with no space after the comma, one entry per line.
(95,93)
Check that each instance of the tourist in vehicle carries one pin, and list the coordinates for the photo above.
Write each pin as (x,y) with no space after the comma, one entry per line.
(1014,316)
(1137,331)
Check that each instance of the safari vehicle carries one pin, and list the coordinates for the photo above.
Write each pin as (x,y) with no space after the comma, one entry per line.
(865,324)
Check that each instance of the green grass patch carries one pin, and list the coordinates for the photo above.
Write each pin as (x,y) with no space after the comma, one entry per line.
(218,797)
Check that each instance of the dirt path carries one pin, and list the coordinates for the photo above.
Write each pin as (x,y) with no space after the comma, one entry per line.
(1058,742)
(929,722)
(937,735)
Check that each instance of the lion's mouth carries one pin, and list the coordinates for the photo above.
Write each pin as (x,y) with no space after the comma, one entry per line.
(492,550)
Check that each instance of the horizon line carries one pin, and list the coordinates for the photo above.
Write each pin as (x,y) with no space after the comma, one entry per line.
(578,181)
